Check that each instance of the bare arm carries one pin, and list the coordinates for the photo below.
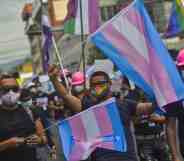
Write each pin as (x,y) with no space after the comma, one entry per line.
(157,119)
(40,131)
(171,131)
(13,142)
(73,102)
(144,108)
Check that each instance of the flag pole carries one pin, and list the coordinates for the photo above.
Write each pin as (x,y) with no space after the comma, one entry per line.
(60,61)
(83,43)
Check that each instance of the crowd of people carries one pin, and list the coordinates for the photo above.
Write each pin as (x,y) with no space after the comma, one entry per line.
(29,115)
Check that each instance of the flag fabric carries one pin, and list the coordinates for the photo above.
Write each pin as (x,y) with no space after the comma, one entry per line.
(99,126)
(131,41)
(176,22)
(90,16)
(46,42)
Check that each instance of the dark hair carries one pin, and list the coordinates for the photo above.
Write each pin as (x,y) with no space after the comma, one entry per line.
(100,73)
(6,76)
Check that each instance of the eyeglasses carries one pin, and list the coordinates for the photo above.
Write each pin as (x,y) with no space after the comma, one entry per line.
(7,89)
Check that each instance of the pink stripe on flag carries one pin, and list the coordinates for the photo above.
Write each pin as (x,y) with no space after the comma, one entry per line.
(158,69)
(107,145)
(128,51)
(78,131)
(104,124)
(77,152)
(94,15)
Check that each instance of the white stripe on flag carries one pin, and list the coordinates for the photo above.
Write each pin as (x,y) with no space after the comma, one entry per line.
(92,131)
(85,16)
(132,34)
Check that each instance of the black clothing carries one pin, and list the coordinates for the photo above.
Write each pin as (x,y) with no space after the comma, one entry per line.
(17,123)
(127,109)
(177,110)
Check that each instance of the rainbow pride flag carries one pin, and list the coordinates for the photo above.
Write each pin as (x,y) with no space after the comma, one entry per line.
(176,22)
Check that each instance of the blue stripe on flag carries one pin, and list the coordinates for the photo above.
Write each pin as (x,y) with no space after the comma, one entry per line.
(120,141)
(65,133)
(121,62)
(157,44)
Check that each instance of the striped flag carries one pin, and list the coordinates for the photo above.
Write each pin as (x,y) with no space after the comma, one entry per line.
(90,16)
(46,42)
(176,22)
(99,126)
(130,40)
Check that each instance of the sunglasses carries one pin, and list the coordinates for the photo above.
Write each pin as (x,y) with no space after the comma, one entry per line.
(102,82)
(7,89)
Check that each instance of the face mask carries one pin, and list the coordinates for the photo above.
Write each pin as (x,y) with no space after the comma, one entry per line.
(100,92)
(28,103)
(78,89)
(10,98)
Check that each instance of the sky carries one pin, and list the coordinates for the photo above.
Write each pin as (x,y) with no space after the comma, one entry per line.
(14,46)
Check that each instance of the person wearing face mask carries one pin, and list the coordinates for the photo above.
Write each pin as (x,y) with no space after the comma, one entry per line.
(19,134)
(77,82)
(100,86)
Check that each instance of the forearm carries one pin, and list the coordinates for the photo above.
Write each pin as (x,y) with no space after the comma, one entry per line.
(171,131)
(40,132)
(5,145)
(59,87)
(158,119)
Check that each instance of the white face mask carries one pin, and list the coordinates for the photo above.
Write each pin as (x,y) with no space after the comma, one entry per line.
(10,98)
(28,103)
(78,89)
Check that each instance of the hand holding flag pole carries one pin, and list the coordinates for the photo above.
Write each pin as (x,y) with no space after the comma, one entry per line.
(60,61)
(48,40)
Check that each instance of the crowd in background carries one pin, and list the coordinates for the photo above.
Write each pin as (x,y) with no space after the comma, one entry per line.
(29,115)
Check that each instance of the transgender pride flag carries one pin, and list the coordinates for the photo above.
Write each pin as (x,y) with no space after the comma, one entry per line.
(99,126)
(132,43)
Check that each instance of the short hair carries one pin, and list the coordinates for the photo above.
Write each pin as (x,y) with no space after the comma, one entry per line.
(6,76)
(100,73)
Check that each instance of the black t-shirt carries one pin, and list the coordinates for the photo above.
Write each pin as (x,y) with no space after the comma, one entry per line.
(17,123)
(127,108)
